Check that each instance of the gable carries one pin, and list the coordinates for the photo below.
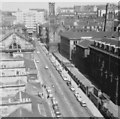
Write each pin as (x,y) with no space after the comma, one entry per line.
(18,39)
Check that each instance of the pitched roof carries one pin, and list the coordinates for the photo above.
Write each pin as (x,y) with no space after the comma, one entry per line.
(74,35)
(116,34)
(22,112)
(85,43)
(111,41)
(17,33)
(29,64)
(7,57)
(23,95)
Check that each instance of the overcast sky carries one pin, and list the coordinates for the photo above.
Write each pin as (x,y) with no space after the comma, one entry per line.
(12,5)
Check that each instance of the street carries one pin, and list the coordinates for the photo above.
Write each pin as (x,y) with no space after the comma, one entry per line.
(67,102)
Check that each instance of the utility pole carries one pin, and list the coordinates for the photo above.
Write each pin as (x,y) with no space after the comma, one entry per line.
(106,16)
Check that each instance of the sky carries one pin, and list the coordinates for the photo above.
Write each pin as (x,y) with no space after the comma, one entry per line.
(13,5)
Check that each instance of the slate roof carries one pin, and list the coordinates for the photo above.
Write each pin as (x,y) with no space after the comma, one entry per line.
(85,43)
(7,57)
(111,41)
(17,33)
(74,35)
(29,64)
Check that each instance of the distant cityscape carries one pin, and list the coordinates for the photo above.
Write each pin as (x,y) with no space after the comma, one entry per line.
(60,62)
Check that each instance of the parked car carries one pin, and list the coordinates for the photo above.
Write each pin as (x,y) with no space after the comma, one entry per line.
(56,107)
(58,115)
(83,103)
(68,83)
(76,94)
(37,61)
(54,101)
(72,88)
(50,95)
(79,98)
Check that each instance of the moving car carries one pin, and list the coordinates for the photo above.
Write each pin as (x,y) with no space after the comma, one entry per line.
(76,94)
(46,67)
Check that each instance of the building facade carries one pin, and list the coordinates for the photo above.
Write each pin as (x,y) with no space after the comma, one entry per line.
(82,53)
(15,41)
(30,18)
(104,67)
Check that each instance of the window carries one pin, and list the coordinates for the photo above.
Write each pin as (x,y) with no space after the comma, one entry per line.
(75,42)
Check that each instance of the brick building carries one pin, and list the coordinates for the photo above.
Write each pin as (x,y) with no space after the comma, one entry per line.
(69,39)
(81,55)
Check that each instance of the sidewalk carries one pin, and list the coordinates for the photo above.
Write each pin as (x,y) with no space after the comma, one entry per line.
(111,106)
(90,105)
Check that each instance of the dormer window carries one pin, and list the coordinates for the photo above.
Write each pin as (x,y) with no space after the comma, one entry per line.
(105,46)
(112,48)
(100,44)
(116,50)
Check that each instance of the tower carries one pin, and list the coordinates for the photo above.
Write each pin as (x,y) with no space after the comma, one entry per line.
(51,9)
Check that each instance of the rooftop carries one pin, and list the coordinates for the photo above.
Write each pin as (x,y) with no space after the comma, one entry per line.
(85,43)
(7,57)
(111,41)
(75,35)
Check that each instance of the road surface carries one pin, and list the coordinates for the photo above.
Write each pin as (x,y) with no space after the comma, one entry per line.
(68,104)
